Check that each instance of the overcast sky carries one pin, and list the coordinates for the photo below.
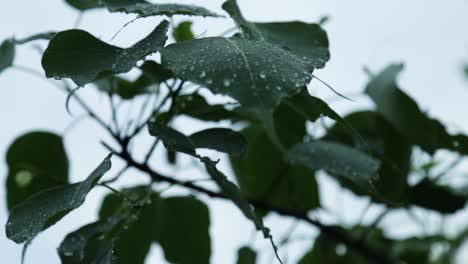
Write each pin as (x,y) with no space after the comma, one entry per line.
(428,36)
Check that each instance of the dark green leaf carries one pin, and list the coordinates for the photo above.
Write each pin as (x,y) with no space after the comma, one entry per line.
(307,41)
(7,54)
(143,8)
(134,240)
(36,161)
(255,73)
(78,55)
(311,107)
(183,230)
(432,196)
(172,139)
(404,114)
(246,255)
(264,175)
(220,139)
(76,245)
(326,250)
(183,31)
(337,159)
(234,194)
(41,210)
(196,106)
(84,4)
(380,139)
(179,224)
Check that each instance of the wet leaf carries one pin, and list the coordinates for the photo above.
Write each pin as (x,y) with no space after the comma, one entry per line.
(307,41)
(78,55)
(183,31)
(45,208)
(340,160)
(144,9)
(246,255)
(255,73)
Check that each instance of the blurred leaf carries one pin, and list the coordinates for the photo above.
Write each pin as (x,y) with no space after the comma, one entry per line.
(84,4)
(143,8)
(404,114)
(432,196)
(91,57)
(307,41)
(36,161)
(172,139)
(179,224)
(255,73)
(183,230)
(326,250)
(264,175)
(234,194)
(77,246)
(382,141)
(183,31)
(7,54)
(196,106)
(220,139)
(40,36)
(337,159)
(47,207)
(246,255)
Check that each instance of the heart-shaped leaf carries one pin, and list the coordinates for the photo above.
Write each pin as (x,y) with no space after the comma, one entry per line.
(256,73)
(78,55)
(45,208)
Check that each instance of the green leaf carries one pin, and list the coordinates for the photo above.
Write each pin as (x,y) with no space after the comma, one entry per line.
(432,196)
(78,55)
(183,230)
(196,106)
(234,194)
(172,139)
(83,5)
(220,139)
(179,224)
(76,245)
(134,240)
(144,9)
(36,161)
(45,208)
(255,73)
(380,139)
(183,31)
(264,175)
(7,54)
(326,250)
(307,41)
(311,107)
(246,255)
(404,114)
(340,160)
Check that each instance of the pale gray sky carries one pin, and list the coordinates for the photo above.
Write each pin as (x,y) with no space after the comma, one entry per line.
(427,35)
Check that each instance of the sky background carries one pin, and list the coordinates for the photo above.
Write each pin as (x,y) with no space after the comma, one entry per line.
(428,36)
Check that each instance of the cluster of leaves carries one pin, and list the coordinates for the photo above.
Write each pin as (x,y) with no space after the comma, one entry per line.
(265,68)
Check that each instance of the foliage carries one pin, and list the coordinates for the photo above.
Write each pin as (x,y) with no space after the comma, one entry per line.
(265,69)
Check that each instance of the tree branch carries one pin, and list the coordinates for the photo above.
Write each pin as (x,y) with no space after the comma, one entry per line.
(335,233)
